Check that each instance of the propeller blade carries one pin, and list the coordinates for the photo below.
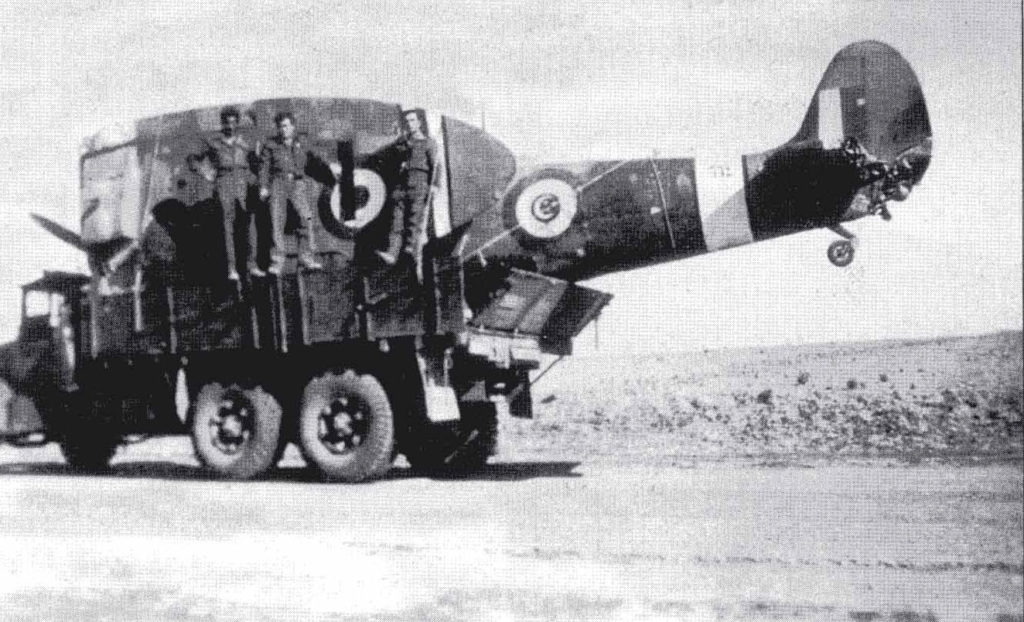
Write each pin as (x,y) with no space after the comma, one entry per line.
(61,232)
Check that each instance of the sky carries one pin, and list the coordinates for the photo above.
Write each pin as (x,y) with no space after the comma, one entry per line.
(560,80)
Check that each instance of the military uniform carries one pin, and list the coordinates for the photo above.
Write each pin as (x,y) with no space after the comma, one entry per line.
(232,160)
(283,172)
(409,216)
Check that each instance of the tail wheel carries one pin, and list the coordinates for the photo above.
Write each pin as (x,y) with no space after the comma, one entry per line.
(840,253)
(458,447)
(235,430)
(346,427)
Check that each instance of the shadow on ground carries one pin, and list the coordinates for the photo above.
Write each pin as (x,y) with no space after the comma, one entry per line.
(505,471)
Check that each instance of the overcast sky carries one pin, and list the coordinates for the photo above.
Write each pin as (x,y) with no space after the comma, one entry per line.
(573,80)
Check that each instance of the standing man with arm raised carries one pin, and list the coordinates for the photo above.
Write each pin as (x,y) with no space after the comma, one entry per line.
(421,173)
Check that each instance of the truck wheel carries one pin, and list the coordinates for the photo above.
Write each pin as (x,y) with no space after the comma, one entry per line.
(235,431)
(346,427)
(459,447)
(88,452)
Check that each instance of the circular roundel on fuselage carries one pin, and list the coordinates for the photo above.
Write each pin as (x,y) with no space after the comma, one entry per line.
(543,205)
(370,194)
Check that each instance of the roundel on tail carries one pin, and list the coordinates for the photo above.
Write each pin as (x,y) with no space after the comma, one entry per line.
(543,205)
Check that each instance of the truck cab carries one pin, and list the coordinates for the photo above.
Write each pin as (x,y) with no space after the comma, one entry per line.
(38,369)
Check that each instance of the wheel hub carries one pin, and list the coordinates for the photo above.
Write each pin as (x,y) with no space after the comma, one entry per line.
(232,426)
(343,425)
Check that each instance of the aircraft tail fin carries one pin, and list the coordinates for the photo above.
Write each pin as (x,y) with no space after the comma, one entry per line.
(869,93)
(865,140)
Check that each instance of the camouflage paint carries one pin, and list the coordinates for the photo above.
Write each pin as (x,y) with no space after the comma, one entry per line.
(570,220)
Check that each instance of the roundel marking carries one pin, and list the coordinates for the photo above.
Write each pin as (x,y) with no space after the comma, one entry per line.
(370,193)
(545,208)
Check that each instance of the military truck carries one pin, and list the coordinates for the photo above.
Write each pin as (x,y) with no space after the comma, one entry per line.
(355,363)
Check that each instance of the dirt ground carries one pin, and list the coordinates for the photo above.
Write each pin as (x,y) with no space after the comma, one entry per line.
(874,481)
(951,398)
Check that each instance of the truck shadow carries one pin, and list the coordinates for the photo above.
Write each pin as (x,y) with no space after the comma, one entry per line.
(166,470)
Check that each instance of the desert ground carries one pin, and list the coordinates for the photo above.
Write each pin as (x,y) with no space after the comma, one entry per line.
(867,481)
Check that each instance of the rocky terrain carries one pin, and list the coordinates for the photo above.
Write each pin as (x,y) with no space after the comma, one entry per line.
(909,400)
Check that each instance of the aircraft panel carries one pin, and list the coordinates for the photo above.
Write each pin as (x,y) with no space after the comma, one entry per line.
(524,304)
(727,224)
(577,220)
(479,169)
(110,193)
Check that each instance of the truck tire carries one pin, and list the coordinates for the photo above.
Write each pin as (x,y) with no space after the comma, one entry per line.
(346,427)
(235,430)
(457,448)
(88,452)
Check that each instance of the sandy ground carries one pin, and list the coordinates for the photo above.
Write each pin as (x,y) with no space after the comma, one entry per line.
(859,482)
(909,400)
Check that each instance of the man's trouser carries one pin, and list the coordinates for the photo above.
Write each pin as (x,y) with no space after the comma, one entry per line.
(408,216)
(282,192)
(233,194)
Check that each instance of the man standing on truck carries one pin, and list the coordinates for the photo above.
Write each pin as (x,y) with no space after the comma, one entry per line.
(285,164)
(421,171)
(230,159)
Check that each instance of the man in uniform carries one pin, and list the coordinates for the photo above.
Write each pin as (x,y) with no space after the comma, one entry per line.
(284,167)
(421,171)
(230,161)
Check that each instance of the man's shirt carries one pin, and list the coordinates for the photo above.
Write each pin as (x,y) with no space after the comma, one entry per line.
(228,156)
(281,160)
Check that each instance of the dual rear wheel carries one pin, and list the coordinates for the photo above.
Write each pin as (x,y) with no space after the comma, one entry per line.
(345,428)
